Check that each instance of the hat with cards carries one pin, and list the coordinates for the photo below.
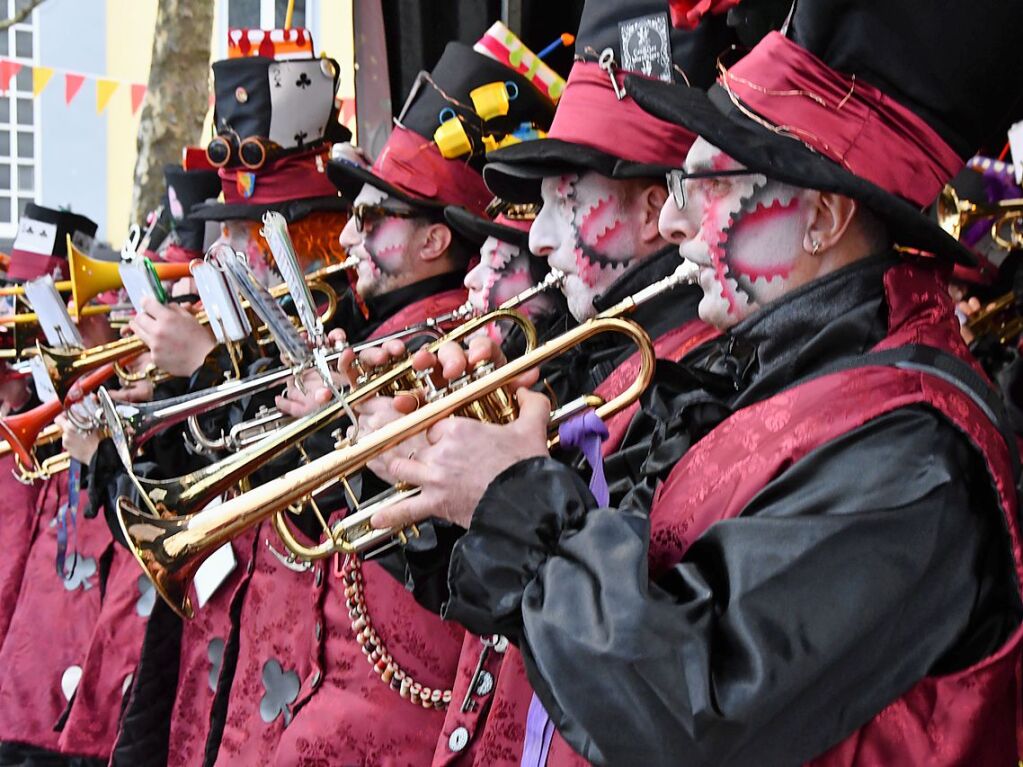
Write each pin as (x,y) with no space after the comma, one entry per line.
(40,247)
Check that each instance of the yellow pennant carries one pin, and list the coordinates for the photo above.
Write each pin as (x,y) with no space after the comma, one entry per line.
(104,90)
(40,77)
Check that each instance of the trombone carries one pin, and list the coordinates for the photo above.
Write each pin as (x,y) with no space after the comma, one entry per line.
(170,550)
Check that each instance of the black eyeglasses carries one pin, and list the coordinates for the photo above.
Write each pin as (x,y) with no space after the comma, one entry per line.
(365,213)
(676,181)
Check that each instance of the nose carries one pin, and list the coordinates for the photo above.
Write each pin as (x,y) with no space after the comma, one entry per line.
(543,236)
(675,225)
(349,236)
(474,279)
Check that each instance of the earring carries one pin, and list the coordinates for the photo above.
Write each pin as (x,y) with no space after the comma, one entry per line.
(816,244)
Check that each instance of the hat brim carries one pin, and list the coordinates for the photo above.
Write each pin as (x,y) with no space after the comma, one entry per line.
(292,210)
(712,115)
(513,173)
(477,230)
(349,179)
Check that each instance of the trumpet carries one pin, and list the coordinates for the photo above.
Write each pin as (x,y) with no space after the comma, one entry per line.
(955,214)
(170,550)
(89,278)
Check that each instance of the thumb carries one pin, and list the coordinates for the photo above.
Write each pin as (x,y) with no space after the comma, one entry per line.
(534,409)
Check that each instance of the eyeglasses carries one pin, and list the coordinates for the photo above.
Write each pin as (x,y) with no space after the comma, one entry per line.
(676,181)
(365,213)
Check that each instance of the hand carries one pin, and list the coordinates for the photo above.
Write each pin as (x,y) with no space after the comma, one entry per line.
(376,413)
(137,391)
(82,445)
(462,458)
(968,308)
(178,342)
(297,403)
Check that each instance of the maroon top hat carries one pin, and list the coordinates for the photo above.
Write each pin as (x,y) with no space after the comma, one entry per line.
(41,245)
(867,99)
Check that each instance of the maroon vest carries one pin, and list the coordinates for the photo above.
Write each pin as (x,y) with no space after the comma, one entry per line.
(492,729)
(323,697)
(15,537)
(49,633)
(967,717)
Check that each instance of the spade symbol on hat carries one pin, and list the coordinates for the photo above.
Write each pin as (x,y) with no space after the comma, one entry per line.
(303,81)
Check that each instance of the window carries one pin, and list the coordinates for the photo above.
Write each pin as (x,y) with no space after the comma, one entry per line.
(19,123)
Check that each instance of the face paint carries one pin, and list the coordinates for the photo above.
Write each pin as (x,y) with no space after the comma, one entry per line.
(585,230)
(746,233)
(243,236)
(384,246)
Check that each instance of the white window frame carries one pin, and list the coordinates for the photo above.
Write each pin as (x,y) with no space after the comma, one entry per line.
(9,229)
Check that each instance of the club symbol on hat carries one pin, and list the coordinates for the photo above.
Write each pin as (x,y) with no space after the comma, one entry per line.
(300,138)
(303,81)
(281,690)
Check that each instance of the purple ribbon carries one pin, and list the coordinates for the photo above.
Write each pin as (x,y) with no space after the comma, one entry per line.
(69,508)
(587,433)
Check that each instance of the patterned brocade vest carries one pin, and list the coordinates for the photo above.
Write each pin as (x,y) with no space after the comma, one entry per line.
(967,717)
(491,728)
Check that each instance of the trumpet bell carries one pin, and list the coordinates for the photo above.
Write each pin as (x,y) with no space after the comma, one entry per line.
(151,540)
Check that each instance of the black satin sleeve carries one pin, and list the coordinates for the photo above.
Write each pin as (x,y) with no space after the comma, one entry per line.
(875,560)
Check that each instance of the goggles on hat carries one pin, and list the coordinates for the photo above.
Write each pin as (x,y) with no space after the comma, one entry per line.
(676,180)
(252,152)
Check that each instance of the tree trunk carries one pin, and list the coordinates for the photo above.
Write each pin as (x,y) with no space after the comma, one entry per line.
(177,97)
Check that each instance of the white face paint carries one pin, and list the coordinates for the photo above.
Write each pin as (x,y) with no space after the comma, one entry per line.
(385,246)
(746,232)
(585,229)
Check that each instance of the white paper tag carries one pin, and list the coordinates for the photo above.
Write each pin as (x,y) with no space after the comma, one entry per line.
(646,46)
(41,378)
(228,320)
(35,236)
(138,281)
(301,97)
(214,571)
(1016,147)
(52,313)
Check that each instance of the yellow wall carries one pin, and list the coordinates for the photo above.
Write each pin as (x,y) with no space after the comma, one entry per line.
(335,39)
(129,32)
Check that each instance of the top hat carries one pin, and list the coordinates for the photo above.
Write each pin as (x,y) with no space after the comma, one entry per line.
(184,190)
(598,127)
(275,121)
(40,246)
(868,99)
(511,225)
(469,102)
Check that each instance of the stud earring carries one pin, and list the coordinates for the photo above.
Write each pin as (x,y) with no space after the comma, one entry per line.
(816,244)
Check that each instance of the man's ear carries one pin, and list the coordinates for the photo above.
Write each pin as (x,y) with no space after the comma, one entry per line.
(436,239)
(830,216)
(648,211)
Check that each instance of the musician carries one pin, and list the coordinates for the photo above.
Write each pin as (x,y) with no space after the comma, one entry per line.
(411,268)
(835,567)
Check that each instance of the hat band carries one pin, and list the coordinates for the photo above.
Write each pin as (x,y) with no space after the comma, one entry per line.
(848,121)
(292,177)
(415,165)
(591,115)
(26,265)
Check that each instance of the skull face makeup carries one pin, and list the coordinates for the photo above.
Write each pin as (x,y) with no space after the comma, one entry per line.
(384,246)
(587,229)
(746,232)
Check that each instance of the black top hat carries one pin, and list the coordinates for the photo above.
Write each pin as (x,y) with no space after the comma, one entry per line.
(40,246)
(594,129)
(504,227)
(869,99)
(413,168)
(184,190)
(275,121)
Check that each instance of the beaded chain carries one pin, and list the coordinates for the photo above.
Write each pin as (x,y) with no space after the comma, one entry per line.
(393,675)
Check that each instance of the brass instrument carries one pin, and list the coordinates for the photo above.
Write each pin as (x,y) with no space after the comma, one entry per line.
(170,550)
(1001,319)
(65,365)
(955,214)
(89,278)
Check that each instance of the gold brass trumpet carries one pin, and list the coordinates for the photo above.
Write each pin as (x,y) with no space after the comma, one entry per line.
(170,550)
(955,214)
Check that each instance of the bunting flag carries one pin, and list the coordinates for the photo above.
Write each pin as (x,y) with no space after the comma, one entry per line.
(8,69)
(138,92)
(40,79)
(104,90)
(72,84)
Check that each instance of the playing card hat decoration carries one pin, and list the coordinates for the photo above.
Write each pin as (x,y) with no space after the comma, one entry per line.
(275,122)
(40,247)
(598,127)
(868,99)
(184,190)
(470,102)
